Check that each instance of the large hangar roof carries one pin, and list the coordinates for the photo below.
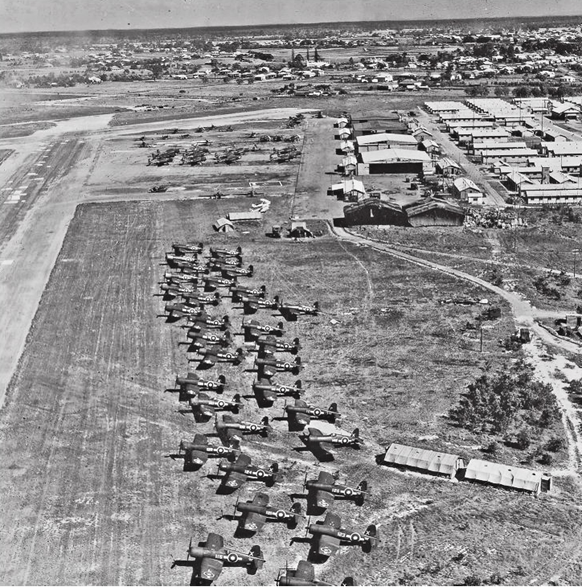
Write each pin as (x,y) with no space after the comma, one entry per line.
(395,155)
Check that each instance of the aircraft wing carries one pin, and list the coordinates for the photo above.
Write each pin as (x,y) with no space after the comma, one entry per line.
(323,499)
(243,460)
(214,541)
(325,477)
(305,571)
(332,520)
(261,499)
(200,439)
(209,358)
(227,418)
(328,545)
(233,479)
(210,569)
(254,521)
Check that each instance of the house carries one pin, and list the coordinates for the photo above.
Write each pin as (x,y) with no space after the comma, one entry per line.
(430,146)
(434,212)
(552,193)
(349,165)
(447,167)
(508,476)
(565,111)
(562,148)
(344,134)
(466,189)
(423,460)
(346,147)
(374,211)
(299,230)
(353,190)
(514,179)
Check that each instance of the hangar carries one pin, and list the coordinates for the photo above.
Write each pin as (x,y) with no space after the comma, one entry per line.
(426,461)
(506,476)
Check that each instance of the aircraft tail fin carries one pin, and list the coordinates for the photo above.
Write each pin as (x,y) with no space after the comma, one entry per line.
(363,486)
(373,535)
(333,407)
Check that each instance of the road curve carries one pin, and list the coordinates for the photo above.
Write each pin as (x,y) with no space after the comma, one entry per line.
(523,312)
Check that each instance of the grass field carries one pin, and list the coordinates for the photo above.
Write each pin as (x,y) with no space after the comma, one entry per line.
(90,497)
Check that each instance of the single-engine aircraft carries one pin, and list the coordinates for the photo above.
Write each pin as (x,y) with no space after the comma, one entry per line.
(267,345)
(269,366)
(206,406)
(322,491)
(231,272)
(206,337)
(223,262)
(253,329)
(267,392)
(238,291)
(291,311)
(213,355)
(222,252)
(256,512)
(328,536)
(208,560)
(199,451)
(242,470)
(176,311)
(187,248)
(228,428)
(321,444)
(213,282)
(193,383)
(300,414)
(304,574)
(204,321)
(196,297)
(252,304)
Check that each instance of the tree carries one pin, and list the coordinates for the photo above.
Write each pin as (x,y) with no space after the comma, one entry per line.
(501,91)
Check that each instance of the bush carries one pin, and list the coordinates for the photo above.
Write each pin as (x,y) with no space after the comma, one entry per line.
(546,459)
(555,444)
(523,439)
(473,580)
(492,448)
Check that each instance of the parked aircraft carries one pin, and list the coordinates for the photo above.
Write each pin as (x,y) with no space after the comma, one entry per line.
(193,383)
(238,291)
(304,574)
(206,406)
(322,491)
(208,560)
(199,451)
(328,536)
(257,511)
(213,355)
(222,252)
(228,428)
(269,366)
(199,298)
(267,392)
(251,304)
(291,311)
(321,445)
(231,272)
(243,470)
(212,282)
(268,345)
(207,337)
(176,311)
(253,329)
(187,248)
(300,414)
(203,321)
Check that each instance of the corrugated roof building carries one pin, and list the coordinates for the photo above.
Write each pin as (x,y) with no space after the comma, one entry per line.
(506,476)
(424,460)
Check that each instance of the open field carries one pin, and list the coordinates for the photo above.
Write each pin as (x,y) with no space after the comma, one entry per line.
(89,495)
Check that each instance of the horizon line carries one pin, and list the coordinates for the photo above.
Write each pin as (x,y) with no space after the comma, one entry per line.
(290,24)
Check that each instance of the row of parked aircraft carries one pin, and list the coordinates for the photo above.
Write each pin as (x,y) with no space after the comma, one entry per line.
(198,282)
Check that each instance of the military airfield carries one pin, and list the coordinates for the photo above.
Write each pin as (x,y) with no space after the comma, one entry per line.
(94,489)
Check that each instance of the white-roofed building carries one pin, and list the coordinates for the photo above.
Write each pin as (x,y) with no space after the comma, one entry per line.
(508,476)
(466,189)
(426,461)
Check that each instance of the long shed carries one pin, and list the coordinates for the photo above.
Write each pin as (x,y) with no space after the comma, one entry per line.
(427,461)
(434,212)
(508,476)
(374,211)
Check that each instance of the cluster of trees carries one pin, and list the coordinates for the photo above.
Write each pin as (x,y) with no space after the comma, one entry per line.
(52,80)
(508,400)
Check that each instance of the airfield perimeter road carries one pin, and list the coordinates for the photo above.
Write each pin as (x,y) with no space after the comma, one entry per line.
(41,184)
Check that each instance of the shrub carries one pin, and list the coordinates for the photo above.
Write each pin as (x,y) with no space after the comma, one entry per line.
(555,444)
(523,439)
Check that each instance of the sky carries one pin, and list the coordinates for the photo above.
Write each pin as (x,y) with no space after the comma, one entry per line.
(60,15)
